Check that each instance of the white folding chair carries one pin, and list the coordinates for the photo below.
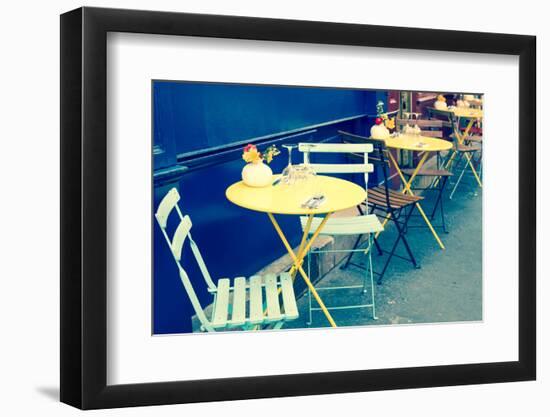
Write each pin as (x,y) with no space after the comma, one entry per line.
(239,303)
(363,224)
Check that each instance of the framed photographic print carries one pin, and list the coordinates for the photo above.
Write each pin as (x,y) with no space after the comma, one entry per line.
(258,207)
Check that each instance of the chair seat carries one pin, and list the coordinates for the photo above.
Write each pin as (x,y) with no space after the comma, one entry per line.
(427,172)
(261,293)
(474,138)
(398,200)
(474,129)
(468,148)
(356,225)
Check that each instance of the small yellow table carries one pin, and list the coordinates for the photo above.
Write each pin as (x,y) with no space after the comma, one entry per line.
(473,115)
(468,112)
(279,199)
(418,144)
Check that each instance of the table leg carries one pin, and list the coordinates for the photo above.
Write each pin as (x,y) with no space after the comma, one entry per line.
(469,159)
(298,261)
(293,270)
(467,130)
(407,189)
(461,138)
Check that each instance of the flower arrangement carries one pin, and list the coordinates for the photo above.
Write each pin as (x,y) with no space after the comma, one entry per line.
(255,173)
(440,103)
(252,155)
(382,123)
(383,117)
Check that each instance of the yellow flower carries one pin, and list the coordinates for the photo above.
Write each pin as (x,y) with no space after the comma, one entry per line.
(390,123)
(252,155)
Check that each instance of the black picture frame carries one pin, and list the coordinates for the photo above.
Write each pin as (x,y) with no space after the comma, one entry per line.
(84,207)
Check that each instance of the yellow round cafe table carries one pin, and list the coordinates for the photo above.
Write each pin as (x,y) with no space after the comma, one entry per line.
(419,144)
(468,113)
(472,115)
(282,199)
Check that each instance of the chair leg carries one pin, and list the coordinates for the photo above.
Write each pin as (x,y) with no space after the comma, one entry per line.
(310,321)
(386,264)
(348,259)
(278,325)
(442,210)
(378,247)
(401,236)
(449,160)
(439,202)
(405,242)
(480,160)
(371,276)
(459,179)
(438,198)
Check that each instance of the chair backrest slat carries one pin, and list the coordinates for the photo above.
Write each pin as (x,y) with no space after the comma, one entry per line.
(432,133)
(347,148)
(445,116)
(335,147)
(166,206)
(357,148)
(182,233)
(432,128)
(179,237)
(342,168)
(421,123)
(378,156)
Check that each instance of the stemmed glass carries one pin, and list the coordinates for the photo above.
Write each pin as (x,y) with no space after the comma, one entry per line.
(287,176)
(305,183)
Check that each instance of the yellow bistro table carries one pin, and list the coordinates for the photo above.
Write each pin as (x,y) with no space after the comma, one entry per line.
(472,115)
(423,144)
(280,199)
(466,113)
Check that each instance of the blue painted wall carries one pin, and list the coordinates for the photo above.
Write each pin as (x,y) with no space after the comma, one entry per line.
(189,117)
(199,115)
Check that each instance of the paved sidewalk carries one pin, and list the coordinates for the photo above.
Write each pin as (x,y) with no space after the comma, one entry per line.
(447,288)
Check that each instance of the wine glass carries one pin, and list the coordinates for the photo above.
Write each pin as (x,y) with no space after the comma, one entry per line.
(304,185)
(287,176)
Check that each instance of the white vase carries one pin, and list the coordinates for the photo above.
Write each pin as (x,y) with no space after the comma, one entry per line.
(257,174)
(379,132)
(440,105)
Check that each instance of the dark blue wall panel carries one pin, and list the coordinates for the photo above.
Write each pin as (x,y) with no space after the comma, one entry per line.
(234,241)
(207,115)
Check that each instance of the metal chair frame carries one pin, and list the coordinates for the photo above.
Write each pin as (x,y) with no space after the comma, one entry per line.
(359,225)
(231,297)
(399,216)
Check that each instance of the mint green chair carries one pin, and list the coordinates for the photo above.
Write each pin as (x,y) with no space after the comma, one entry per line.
(242,303)
(363,224)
